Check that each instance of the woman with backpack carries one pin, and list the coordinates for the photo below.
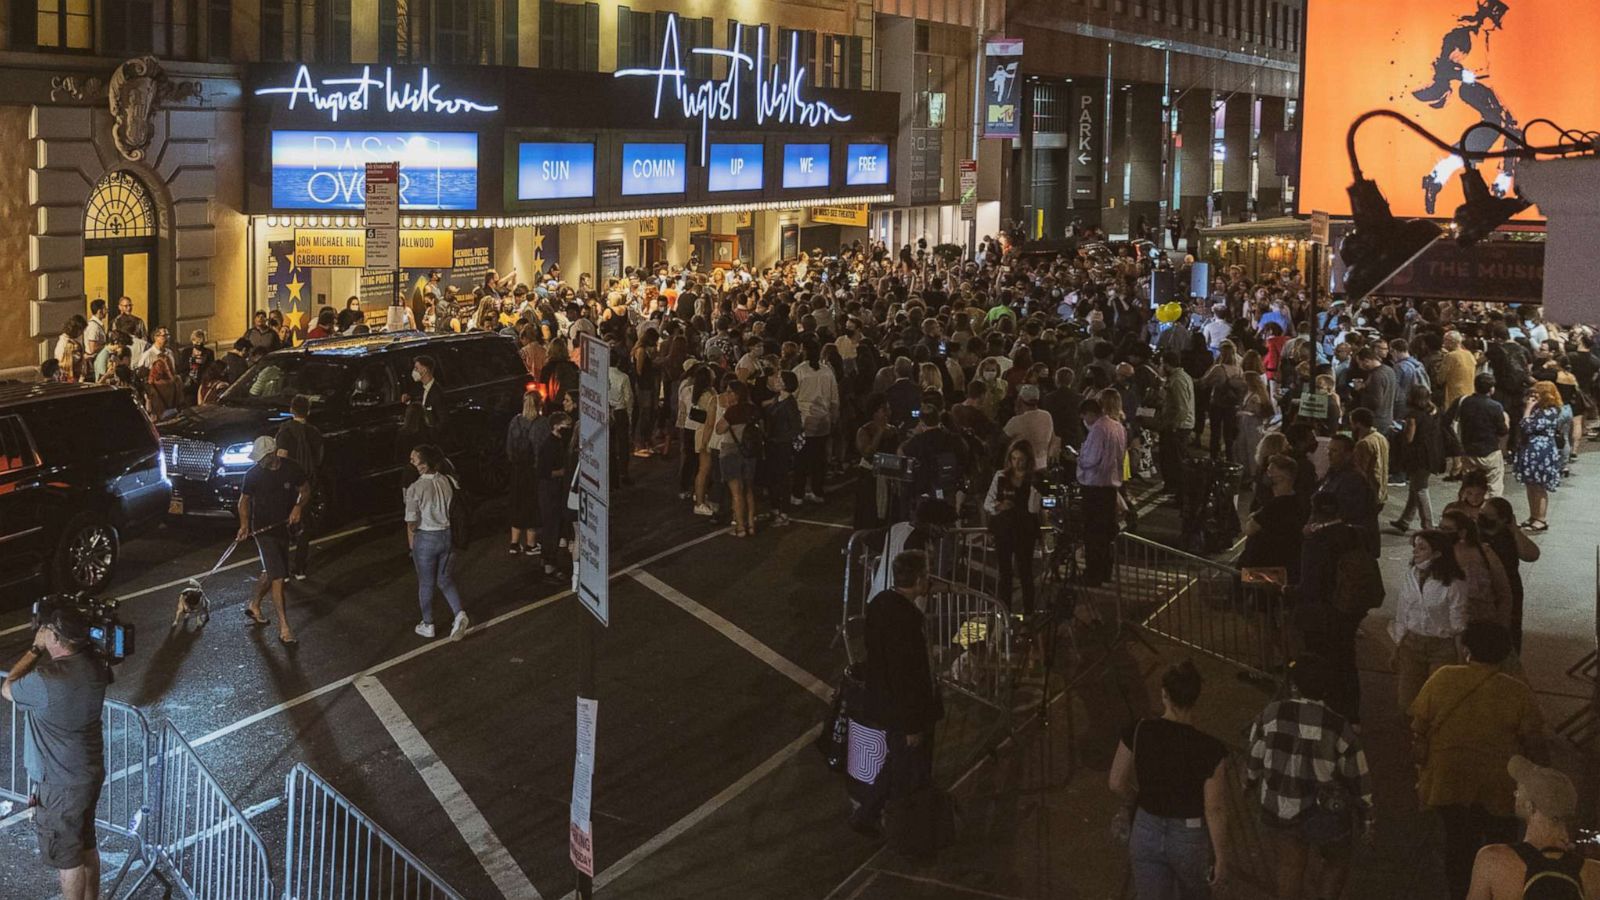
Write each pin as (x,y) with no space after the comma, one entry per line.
(430,534)
(742,446)
(1224,382)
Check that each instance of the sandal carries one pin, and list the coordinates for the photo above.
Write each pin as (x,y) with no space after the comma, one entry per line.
(1536,526)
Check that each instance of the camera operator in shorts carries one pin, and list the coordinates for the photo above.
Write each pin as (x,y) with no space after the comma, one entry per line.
(61,683)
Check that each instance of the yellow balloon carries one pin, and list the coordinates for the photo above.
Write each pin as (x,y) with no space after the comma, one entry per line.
(1169,312)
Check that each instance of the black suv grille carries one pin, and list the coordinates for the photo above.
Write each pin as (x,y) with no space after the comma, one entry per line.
(188,459)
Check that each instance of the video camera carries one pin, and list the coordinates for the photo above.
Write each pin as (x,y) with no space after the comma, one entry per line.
(111,638)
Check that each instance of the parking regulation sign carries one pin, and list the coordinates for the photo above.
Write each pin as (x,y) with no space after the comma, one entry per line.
(383,215)
(592,560)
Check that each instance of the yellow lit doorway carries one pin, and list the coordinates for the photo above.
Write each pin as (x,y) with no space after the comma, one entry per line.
(119,230)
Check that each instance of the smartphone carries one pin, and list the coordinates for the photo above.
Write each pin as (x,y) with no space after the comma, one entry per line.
(944,348)
(1049,501)
(916,413)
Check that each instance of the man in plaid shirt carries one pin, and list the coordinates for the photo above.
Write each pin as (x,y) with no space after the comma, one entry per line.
(1308,772)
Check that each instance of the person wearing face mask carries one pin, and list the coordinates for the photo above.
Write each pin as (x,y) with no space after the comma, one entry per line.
(1430,614)
(428,534)
(427,394)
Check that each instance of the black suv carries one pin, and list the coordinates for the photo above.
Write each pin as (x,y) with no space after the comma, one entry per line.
(356,385)
(79,467)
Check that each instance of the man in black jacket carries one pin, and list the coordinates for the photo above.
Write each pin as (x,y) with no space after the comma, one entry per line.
(902,697)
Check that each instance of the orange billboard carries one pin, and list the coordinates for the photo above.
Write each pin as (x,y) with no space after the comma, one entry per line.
(1445,64)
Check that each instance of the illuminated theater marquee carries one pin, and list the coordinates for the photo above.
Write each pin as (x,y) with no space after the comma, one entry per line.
(336,95)
(778,90)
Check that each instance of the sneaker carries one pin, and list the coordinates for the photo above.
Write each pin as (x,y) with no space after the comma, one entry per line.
(685,495)
(795,501)
(642,453)
(779,519)
(704,509)
(424,629)
(813,498)
(513,549)
(461,624)
(549,570)
(298,576)
(535,550)
(562,543)
(1400,526)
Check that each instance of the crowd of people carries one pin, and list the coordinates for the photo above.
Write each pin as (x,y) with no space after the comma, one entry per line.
(977,387)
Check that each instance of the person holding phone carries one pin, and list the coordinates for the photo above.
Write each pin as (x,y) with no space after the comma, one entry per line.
(1015,511)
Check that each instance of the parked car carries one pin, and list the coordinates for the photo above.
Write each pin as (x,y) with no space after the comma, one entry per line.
(80,468)
(356,385)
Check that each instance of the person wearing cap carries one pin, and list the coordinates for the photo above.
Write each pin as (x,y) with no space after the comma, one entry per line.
(1467,723)
(1035,426)
(1547,803)
(271,503)
(62,687)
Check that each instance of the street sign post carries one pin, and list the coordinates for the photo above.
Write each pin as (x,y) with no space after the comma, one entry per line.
(969,190)
(592,562)
(580,825)
(383,215)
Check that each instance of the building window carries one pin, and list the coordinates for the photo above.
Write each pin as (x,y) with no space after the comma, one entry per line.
(127,25)
(842,61)
(569,35)
(509,38)
(333,37)
(635,39)
(119,208)
(271,30)
(452,33)
(58,24)
(219,29)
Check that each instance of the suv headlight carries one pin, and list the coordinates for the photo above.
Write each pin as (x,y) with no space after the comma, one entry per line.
(236,456)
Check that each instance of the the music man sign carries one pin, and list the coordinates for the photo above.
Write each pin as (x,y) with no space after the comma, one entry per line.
(778,95)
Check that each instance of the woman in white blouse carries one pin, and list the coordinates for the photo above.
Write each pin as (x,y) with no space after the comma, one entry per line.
(1014,508)
(1431,613)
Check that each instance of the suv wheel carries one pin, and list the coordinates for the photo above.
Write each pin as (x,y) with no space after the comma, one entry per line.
(86,553)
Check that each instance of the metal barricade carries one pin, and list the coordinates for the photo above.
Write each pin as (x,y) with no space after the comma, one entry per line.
(1201,604)
(970,644)
(202,836)
(333,851)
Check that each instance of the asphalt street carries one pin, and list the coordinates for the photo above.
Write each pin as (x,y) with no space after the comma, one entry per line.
(710,671)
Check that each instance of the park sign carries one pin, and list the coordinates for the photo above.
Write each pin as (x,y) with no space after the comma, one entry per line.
(776,95)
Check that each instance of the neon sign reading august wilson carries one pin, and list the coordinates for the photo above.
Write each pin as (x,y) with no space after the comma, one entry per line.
(777,92)
(354,95)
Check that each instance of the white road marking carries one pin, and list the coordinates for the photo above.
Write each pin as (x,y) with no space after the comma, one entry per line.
(821,523)
(431,646)
(723,798)
(468,819)
(738,635)
(248,560)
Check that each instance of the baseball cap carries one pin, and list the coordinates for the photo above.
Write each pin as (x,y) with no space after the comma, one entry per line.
(264,447)
(1550,791)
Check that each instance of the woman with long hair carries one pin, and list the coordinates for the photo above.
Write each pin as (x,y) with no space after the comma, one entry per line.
(1225,383)
(1430,615)
(524,435)
(1497,523)
(560,373)
(1540,461)
(428,501)
(1015,509)
(1422,454)
(646,390)
(818,396)
(738,466)
(163,395)
(1489,596)
(703,412)
(1254,413)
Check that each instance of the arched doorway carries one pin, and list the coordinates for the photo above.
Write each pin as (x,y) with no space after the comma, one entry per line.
(119,245)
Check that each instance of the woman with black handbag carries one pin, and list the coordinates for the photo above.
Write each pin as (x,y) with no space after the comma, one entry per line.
(1174,776)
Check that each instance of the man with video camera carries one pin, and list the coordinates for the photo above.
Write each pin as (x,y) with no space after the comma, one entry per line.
(61,683)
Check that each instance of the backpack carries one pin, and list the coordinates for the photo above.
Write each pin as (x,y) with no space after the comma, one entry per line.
(752,441)
(1560,878)
(1357,582)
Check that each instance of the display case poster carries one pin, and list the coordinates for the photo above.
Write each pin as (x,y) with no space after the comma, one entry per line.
(284,281)
(474,248)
